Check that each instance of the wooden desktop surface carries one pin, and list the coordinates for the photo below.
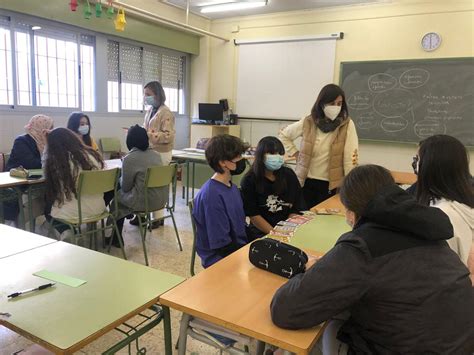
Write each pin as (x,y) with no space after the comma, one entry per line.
(9,181)
(236,295)
(64,319)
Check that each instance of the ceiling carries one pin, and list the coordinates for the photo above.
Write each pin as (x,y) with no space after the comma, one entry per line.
(272,6)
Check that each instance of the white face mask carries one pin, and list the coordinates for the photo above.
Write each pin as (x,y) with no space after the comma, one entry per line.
(83,130)
(332,111)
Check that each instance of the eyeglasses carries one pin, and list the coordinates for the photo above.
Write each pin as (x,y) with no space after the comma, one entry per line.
(414,163)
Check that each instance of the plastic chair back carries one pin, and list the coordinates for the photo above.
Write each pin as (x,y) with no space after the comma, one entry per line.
(110,144)
(94,182)
(160,176)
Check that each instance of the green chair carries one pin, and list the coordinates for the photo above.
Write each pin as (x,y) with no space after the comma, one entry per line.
(110,145)
(193,251)
(94,182)
(157,176)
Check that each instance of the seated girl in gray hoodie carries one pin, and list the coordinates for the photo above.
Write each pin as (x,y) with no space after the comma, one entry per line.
(131,196)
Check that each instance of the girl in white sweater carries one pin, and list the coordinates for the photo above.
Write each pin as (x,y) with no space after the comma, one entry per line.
(444,181)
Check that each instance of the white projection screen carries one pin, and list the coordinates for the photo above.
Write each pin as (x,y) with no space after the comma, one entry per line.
(283,79)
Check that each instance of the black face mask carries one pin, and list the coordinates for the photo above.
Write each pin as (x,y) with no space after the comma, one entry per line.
(239,167)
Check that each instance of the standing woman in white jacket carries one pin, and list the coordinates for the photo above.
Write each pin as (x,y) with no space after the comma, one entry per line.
(444,181)
(159,121)
(329,145)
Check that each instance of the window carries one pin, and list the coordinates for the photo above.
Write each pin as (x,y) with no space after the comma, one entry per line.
(6,76)
(57,79)
(42,67)
(131,83)
(56,66)
(112,76)
(132,67)
(87,73)
(23,68)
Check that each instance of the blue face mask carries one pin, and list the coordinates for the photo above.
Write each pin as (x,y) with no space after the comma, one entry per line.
(150,101)
(83,130)
(273,162)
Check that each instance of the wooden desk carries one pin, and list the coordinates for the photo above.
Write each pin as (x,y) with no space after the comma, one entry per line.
(321,233)
(236,295)
(332,203)
(64,319)
(402,178)
(199,131)
(14,241)
(7,181)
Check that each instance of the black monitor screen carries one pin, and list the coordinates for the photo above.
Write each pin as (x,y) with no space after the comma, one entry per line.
(211,112)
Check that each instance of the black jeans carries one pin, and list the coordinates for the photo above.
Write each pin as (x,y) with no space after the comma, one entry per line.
(316,191)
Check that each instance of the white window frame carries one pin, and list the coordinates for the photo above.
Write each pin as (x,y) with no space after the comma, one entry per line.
(100,69)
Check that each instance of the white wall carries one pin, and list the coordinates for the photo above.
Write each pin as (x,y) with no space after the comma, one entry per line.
(391,30)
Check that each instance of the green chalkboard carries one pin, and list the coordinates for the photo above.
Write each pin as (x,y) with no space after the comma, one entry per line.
(409,100)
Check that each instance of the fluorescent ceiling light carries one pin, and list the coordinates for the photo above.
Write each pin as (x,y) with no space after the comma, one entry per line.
(216,2)
(35,28)
(233,6)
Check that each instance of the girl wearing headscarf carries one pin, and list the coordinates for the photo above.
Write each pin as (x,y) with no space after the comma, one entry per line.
(28,148)
(131,196)
(27,152)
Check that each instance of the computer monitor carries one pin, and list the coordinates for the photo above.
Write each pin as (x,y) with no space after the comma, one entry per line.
(211,112)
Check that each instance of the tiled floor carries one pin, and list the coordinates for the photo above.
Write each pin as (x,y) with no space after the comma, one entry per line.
(164,254)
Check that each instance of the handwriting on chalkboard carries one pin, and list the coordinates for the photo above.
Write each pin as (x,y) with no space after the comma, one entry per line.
(403,101)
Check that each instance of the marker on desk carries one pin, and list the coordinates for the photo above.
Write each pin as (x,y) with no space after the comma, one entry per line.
(42,287)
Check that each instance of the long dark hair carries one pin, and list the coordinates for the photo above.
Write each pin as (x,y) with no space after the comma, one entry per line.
(157,89)
(443,171)
(267,145)
(64,148)
(74,122)
(328,94)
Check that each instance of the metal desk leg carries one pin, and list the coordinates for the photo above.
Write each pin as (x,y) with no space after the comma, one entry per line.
(21,215)
(260,347)
(31,219)
(194,178)
(187,182)
(183,334)
(167,330)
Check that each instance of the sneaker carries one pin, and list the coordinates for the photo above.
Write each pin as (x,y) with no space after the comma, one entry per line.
(134,221)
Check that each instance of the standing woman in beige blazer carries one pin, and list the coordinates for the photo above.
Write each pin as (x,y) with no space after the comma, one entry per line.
(159,121)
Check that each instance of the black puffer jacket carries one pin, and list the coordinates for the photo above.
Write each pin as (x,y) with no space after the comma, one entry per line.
(406,290)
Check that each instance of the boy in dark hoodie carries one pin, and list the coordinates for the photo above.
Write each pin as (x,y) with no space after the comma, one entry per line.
(406,291)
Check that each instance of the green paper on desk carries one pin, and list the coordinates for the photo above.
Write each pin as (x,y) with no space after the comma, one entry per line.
(62,279)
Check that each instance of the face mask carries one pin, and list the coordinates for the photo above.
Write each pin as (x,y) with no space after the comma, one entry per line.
(83,130)
(273,162)
(239,167)
(414,164)
(331,111)
(150,101)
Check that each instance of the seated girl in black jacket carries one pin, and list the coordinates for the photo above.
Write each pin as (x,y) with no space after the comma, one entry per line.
(405,290)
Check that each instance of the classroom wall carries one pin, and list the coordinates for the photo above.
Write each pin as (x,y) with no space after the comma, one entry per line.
(391,30)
